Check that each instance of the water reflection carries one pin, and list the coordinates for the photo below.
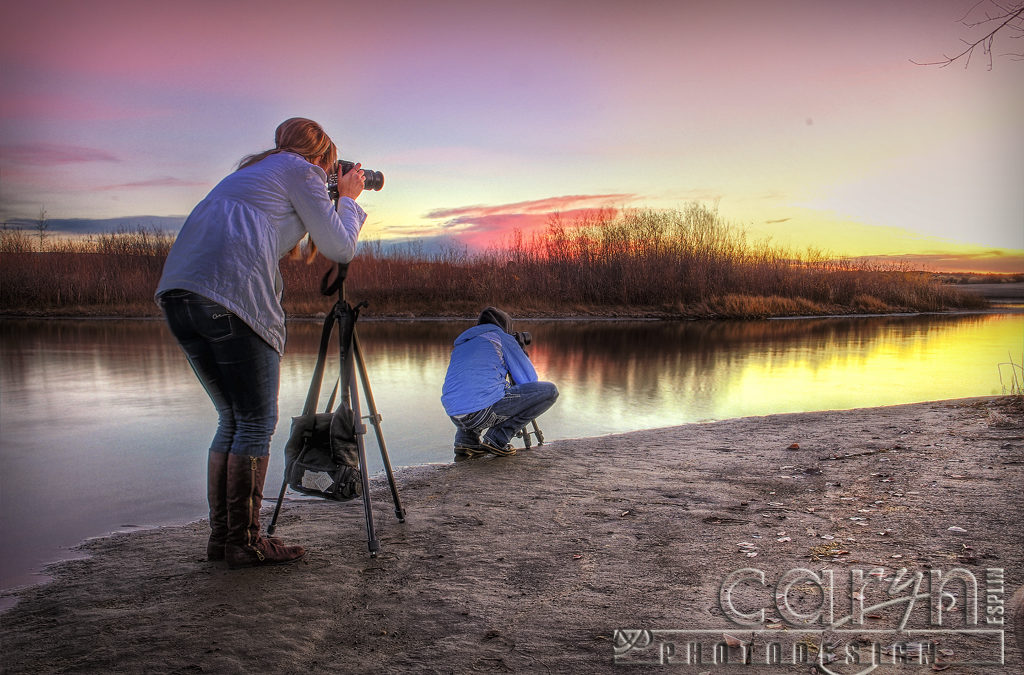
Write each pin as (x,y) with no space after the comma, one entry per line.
(104,425)
(631,376)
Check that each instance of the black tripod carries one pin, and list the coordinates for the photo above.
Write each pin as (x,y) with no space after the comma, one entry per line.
(350,354)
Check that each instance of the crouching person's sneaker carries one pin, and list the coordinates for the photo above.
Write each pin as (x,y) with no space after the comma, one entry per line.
(470,450)
(493,448)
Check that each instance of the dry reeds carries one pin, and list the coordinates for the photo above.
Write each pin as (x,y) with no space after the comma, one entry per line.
(685,263)
(107,274)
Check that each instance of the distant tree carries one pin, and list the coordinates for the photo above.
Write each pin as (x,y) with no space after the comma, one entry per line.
(42,224)
(999,18)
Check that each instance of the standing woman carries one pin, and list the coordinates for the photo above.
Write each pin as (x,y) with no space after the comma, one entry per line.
(221,294)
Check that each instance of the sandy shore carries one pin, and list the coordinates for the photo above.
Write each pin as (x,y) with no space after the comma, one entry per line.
(557,559)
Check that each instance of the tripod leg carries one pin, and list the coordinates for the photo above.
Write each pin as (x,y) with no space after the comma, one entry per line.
(371,537)
(375,420)
(537,433)
(277,509)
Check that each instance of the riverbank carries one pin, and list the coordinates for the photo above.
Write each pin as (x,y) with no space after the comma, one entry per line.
(531,563)
(996,298)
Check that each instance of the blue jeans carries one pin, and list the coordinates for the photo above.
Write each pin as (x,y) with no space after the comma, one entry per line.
(521,404)
(239,370)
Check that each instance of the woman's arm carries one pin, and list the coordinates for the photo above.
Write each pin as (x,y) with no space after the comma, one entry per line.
(335,232)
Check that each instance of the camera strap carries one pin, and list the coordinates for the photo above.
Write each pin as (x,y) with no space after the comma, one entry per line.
(329,286)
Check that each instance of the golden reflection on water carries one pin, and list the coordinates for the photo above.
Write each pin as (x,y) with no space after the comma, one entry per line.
(900,362)
(646,375)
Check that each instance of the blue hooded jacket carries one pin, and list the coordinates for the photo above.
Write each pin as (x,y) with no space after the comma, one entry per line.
(481,358)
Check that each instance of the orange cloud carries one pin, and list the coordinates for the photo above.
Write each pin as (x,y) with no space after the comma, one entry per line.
(481,226)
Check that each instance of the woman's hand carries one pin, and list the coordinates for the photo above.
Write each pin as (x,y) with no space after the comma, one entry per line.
(351,184)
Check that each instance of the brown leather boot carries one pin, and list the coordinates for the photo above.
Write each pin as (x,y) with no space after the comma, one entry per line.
(216,495)
(245,547)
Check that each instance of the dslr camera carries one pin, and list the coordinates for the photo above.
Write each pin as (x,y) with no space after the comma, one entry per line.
(374,180)
(523,338)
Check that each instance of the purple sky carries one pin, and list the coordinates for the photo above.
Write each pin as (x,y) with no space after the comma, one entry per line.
(804,121)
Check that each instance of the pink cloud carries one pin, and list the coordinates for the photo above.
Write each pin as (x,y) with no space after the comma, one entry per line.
(53,154)
(549,205)
(481,226)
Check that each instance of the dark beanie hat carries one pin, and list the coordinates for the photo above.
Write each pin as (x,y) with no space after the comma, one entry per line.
(497,317)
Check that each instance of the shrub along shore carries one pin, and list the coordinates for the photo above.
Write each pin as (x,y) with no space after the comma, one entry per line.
(645,263)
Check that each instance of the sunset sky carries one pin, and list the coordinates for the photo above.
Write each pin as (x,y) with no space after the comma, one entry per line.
(803,121)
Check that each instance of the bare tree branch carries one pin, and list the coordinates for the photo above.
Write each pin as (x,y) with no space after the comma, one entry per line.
(1009,22)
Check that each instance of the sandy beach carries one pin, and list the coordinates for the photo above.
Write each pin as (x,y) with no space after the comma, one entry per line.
(594,555)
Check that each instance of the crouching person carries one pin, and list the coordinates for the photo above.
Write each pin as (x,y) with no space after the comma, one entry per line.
(488,409)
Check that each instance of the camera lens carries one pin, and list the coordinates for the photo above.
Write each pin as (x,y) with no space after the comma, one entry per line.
(373,180)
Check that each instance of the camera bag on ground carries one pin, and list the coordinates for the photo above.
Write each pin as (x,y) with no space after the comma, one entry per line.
(321,456)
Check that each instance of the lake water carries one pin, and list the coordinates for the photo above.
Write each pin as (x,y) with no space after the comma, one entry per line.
(104,427)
